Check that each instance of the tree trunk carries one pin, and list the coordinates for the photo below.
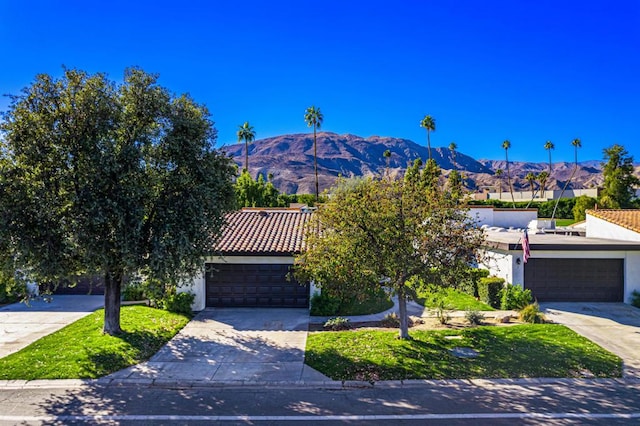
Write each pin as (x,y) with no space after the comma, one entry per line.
(404,319)
(315,160)
(112,287)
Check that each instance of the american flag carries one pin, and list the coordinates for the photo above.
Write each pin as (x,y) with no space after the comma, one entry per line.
(525,247)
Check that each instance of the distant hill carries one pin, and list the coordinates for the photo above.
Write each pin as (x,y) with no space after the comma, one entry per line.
(289,158)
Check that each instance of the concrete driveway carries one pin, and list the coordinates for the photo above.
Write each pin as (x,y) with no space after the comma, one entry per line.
(21,324)
(614,326)
(232,345)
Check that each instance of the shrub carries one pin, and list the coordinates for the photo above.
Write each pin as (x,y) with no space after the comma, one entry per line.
(442,312)
(531,314)
(337,324)
(11,289)
(474,317)
(132,291)
(515,297)
(489,289)
(635,298)
(323,305)
(470,285)
(179,303)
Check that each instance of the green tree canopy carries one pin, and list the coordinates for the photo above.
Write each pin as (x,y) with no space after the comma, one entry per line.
(257,193)
(582,204)
(377,230)
(116,179)
(619,181)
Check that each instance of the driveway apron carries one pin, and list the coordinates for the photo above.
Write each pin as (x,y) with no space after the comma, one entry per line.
(614,326)
(233,345)
(22,324)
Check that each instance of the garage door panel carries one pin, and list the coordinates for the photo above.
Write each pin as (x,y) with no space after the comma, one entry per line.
(575,280)
(259,285)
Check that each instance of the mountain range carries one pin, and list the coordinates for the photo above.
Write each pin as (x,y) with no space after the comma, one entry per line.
(288,159)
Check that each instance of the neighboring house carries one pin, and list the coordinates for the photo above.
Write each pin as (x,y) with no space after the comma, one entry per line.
(615,224)
(502,217)
(252,267)
(563,268)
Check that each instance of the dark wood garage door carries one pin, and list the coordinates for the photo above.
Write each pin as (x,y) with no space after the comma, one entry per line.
(254,285)
(575,280)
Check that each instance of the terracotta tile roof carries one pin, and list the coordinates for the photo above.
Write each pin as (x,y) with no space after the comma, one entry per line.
(263,232)
(627,218)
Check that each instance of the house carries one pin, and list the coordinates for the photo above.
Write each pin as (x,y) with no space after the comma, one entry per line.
(566,268)
(616,224)
(252,263)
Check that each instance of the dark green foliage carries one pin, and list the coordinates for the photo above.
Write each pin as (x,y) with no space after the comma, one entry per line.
(132,292)
(635,298)
(470,284)
(515,297)
(103,178)
(11,289)
(324,305)
(179,303)
(531,314)
(582,204)
(489,290)
(618,190)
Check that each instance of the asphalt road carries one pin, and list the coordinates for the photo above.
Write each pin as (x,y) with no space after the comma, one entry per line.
(563,402)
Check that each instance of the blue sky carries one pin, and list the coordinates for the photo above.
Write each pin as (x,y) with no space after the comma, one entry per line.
(485,70)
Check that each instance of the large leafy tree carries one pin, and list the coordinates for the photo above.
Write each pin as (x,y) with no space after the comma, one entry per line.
(429,124)
(115,179)
(247,134)
(380,230)
(257,193)
(618,191)
(506,145)
(313,117)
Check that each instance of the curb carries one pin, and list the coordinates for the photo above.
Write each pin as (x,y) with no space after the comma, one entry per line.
(328,384)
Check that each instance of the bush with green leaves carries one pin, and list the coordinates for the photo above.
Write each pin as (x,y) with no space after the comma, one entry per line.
(324,305)
(132,291)
(635,298)
(337,324)
(11,289)
(489,290)
(179,303)
(531,314)
(474,317)
(515,297)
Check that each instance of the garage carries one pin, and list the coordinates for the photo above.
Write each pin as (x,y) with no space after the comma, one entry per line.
(253,285)
(575,280)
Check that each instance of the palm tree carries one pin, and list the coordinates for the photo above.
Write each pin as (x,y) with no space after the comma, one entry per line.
(531,178)
(248,135)
(542,178)
(548,145)
(576,144)
(499,175)
(428,123)
(452,148)
(387,156)
(506,145)
(313,117)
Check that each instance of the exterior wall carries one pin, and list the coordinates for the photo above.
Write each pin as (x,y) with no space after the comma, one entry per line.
(504,265)
(599,228)
(548,194)
(503,218)
(198,287)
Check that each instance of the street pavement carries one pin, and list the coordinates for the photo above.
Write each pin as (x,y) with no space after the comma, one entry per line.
(22,324)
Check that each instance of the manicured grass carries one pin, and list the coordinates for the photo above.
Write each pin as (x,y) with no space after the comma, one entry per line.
(81,350)
(531,350)
(453,300)
(565,222)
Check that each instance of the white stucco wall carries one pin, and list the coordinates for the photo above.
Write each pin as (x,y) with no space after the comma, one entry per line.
(599,228)
(197,284)
(503,218)
(504,265)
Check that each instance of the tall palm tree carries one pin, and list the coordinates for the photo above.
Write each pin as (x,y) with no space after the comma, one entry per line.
(499,175)
(542,179)
(531,178)
(452,147)
(576,143)
(548,145)
(506,145)
(313,117)
(247,134)
(428,123)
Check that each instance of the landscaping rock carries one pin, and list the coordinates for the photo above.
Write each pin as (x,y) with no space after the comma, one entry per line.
(464,352)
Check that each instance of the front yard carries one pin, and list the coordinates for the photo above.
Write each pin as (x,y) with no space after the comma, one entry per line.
(518,351)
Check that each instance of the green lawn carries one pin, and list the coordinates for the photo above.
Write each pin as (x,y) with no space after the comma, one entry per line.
(453,299)
(372,305)
(81,350)
(531,350)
